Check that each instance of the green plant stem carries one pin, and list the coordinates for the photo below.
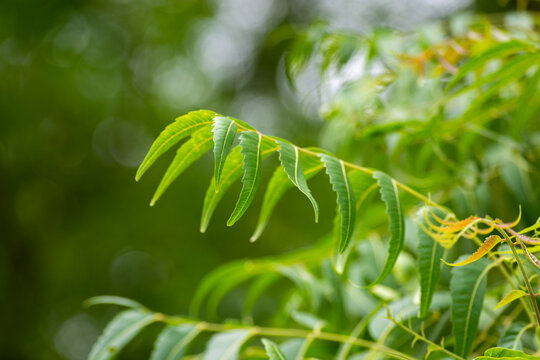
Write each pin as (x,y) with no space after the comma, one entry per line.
(424,339)
(284,332)
(359,168)
(525,278)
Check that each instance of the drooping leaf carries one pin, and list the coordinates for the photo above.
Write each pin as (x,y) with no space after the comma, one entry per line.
(232,171)
(506,354)
(511,296)
(113,300)
(189,152)
(290,160)
(533,259)
(226,346)
(429,263)
(224,133)
(488,244)
(467,288)
(278,185)
(255,291)
(250,142)
(120,331)
(511,338)
(272,350)
(173,341)
(390,196)
(499,50)
(345,197)
(184,126)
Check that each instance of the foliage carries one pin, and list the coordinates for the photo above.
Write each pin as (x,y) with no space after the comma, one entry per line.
(453,113)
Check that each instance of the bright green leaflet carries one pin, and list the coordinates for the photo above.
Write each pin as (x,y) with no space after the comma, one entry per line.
(200,143)
(120,331)
(290,160)
(272,350)
(511,338)
(506,354)
(250,143)
(224,133)
(173,340)
(226,346)
(493,52)
(390,196)
(184,126)
(430,253)
(113,300)
(467,287)
(345,197)
(232,170)
(278,185)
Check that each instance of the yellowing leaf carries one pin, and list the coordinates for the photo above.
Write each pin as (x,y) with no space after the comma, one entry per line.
(511,296)
(488,244)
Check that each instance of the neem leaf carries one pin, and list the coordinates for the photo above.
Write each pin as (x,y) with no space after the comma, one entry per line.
(224,133)
(250,142)
(113,300)
(506,354)
(189,152)
(487,245)
(290,160)
(390,196)
(232,171)
(279,183)
(467,287)
(173,340)
(184,126)
(226,346)
(511,338)
(429,262)
(272,350)
(511,296)
(345,197)
(120,331)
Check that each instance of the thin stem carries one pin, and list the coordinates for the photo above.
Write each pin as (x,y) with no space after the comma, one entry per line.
(424,339)
(357,167)
(284,332)
(525,278)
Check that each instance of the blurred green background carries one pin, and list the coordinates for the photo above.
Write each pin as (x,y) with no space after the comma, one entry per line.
(85,86)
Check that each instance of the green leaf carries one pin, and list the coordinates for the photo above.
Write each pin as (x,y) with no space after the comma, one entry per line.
(224,133)
(255,291)
(511,338)
(345,197)
(390,196)
(173,341)
(226,346)
(506,354)
(113,300)
(493,52)
(190,151)
(250,142)
(272,350)
(511,296)
(120,331)
(467,287)
(278,185)
(430,253)
(184,126)
(290,160)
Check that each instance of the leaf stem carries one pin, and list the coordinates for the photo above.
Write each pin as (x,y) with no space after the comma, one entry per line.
(284,332)
(525,278)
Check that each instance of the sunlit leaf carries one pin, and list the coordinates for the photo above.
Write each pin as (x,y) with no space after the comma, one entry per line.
(113,300)
(250,142)
(506,354)
(511,296)
(224,133)
(390,196)
(272,350)
(120,331)
(345,197)
(488,244)
(467,288)
(184,126)
(190,151)
(226,346)
(173,341)
(429,264)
